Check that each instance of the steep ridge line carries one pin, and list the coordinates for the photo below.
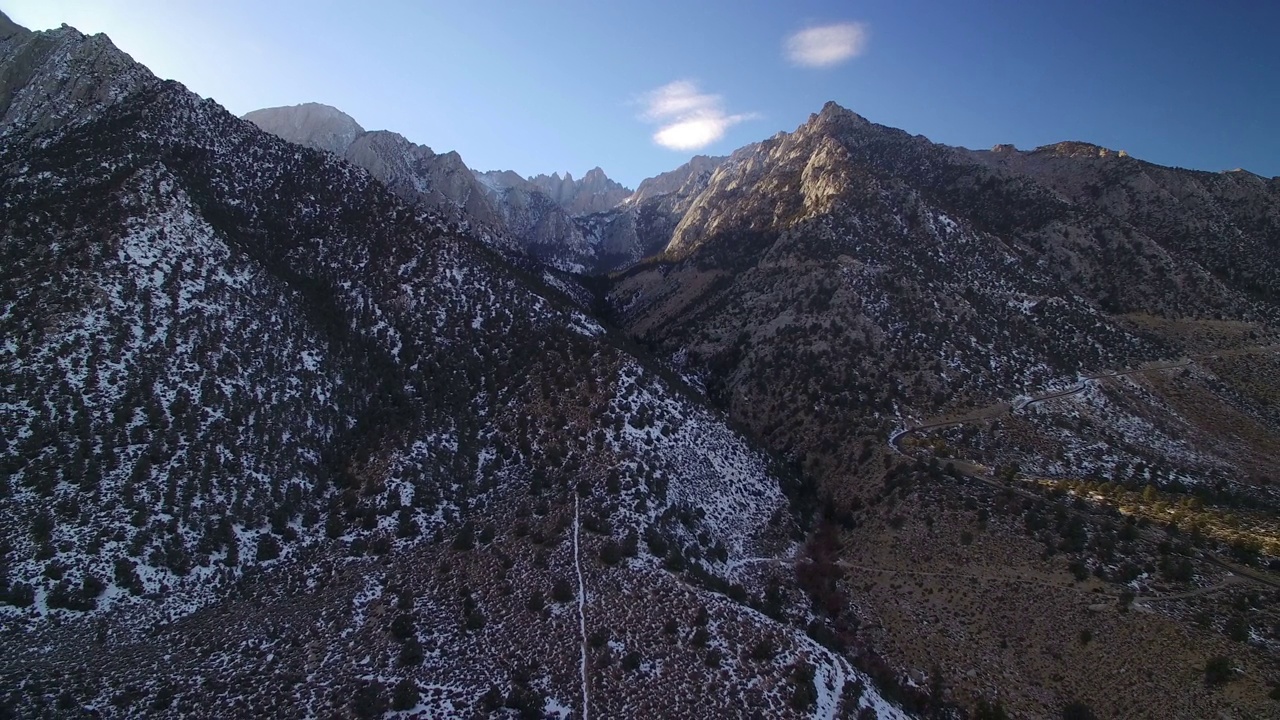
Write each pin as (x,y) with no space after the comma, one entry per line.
(582,616)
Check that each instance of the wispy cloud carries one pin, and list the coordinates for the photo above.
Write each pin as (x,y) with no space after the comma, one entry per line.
(827,45)
(689,119)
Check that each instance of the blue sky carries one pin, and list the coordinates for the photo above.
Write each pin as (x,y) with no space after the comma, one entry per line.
(544,86)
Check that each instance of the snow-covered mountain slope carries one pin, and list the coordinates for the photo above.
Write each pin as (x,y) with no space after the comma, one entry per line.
(285,444)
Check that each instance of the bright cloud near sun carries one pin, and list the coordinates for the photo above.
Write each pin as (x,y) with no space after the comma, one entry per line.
(689,118)
(827,45)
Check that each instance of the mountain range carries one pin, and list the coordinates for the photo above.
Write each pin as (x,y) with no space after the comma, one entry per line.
(303,419)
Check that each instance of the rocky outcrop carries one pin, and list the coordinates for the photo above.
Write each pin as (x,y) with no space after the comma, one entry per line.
(60,77)
(9,28)
(439,182)
(594,193)
(696,171)
(312,124)
(414,171)
(1077,149)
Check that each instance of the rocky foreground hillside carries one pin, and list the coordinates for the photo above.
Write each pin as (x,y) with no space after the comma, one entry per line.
(305,420)
(281,443)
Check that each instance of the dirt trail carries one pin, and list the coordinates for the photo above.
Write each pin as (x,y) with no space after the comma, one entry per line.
(1226,582)
(582,613)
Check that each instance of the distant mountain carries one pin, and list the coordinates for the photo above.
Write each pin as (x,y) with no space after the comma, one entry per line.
(594,193)
(643,225)
(440,182)
(685,179)
(595,243)
(537,216)
(933,253)
(311,124)
(545,229)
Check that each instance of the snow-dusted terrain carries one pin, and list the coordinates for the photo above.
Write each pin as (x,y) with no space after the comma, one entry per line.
(272,424)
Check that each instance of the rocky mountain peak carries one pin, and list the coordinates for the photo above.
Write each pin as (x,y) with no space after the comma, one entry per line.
(696,172)
(1077,149)
(594,193)
(9,28)
(833,112)
(452,158)
(60,77)
(795,175)
(315,125)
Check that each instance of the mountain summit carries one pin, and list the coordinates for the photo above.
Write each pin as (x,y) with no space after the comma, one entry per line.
(594,193)
(60,77)
(314,125)
(9,28)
